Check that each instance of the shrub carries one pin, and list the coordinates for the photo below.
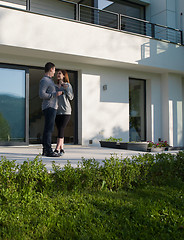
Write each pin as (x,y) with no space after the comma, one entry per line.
(75,203)
(65,178)
(90,174)
(112,139)
(8,186)
(117,173)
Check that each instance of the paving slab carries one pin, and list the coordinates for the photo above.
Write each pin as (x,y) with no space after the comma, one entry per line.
(73,153)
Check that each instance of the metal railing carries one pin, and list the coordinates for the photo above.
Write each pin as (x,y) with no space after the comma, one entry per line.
(92,15)
(129,24)
(98,17)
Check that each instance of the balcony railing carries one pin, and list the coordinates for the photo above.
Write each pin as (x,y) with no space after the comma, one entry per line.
(129,24)
(83,13)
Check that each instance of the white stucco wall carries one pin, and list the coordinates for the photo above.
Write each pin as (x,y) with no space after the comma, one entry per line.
(172,108)
(32,31)
(105,112)
(156,108)
(175,109)
(165,107)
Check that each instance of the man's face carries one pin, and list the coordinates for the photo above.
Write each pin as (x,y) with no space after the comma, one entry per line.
(52,71)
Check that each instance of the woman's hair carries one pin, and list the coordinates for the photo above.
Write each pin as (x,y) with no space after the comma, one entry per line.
(66,77)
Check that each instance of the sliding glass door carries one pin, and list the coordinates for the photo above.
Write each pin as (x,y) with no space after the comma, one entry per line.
(12,104)
(137,110)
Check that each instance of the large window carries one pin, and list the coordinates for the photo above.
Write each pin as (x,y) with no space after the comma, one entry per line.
(129,11)
(12,105)
(137,110)
(123,7)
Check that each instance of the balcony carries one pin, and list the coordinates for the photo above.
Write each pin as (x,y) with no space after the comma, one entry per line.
(107,19)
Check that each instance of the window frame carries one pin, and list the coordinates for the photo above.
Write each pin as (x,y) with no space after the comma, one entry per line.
(145,113)
(26,116)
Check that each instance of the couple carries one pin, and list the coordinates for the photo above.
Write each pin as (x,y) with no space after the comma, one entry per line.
(56,107)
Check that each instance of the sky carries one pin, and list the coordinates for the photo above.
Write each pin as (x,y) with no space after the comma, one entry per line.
(103,4)
(12,82)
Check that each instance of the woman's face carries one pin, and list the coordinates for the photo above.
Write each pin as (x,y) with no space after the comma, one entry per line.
(60,75)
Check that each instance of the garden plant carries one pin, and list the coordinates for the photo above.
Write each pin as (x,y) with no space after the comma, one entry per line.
(133,198)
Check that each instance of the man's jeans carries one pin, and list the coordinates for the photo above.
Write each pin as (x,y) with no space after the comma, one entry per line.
(50,115)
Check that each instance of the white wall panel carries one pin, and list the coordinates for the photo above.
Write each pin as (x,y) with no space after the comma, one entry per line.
(156,118)
(105,112)
(175,99)
(32,31)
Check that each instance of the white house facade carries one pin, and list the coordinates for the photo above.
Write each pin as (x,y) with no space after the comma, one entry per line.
(125,60)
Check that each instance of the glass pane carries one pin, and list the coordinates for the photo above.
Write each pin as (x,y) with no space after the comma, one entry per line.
(12,105)
(137,128)
(111,20)
(36,117)
(122,7)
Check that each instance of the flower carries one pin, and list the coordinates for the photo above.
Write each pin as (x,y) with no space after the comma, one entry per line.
(158,145)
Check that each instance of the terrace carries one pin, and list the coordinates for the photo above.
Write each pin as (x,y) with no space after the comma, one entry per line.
(101,18)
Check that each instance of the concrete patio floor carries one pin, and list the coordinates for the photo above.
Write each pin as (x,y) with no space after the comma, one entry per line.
(73,153)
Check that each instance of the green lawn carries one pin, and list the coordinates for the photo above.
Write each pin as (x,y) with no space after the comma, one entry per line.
(70,204)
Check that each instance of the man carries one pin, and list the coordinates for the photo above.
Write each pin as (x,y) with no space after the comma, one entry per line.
(47,92)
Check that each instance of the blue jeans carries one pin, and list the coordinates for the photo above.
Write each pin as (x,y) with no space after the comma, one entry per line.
(50,115)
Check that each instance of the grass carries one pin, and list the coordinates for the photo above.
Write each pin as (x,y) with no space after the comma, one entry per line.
(91,202)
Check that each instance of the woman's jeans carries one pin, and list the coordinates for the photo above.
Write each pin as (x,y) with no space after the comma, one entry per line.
(50,115)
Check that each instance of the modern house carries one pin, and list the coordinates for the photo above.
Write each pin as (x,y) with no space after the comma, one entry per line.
(125,60)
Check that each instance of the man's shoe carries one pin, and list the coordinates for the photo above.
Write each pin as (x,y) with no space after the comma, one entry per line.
(43,152)
(52,154)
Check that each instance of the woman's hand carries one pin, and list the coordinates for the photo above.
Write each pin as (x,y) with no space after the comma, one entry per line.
(65,85)
(59,93)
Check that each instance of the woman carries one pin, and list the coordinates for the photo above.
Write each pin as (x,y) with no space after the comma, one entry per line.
(64,108)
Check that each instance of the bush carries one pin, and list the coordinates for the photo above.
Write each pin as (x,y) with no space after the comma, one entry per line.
(132,198)
(117,173)
(112,139)
(114,174)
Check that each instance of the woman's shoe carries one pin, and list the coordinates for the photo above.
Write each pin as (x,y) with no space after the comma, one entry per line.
(62,152)
(57,152)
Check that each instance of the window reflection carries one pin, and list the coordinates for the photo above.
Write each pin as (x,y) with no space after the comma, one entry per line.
(122,7)
(12,105)
(137,103)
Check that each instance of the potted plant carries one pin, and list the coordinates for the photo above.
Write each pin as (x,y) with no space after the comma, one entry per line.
(158,147)
(111,142)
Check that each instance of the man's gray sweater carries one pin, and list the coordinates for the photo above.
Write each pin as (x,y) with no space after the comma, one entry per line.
(47,92)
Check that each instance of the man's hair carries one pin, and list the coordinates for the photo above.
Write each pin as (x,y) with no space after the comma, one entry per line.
(48,66)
